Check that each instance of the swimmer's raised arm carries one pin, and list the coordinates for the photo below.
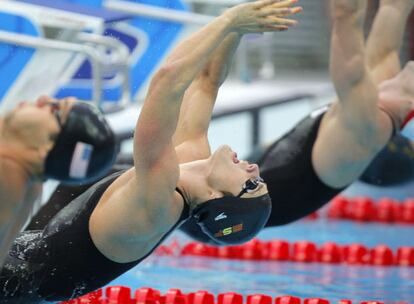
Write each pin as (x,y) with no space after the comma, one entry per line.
(348,68)
(386,38)
(190,138)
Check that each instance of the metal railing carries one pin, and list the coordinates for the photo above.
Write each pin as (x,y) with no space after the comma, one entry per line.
(115,60)
(88,51)
(102,62)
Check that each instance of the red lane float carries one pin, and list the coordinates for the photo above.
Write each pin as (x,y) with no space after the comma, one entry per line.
(364,209)
(146,295)
(306,252)
(330,253)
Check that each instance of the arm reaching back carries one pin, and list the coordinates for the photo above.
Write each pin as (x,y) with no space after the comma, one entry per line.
(190,139)
(386,38)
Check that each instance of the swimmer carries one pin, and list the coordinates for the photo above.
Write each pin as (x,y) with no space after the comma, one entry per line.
(38,141)
(120,220)
(331,148)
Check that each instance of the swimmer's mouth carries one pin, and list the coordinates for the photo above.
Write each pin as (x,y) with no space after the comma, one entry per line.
(235,159)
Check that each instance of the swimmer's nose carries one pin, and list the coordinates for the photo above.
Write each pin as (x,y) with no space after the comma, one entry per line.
(43,100)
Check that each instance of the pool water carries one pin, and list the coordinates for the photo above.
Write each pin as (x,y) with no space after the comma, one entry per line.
(333,282)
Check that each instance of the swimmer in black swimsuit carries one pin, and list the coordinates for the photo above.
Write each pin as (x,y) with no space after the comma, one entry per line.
(331,148)
(120,220)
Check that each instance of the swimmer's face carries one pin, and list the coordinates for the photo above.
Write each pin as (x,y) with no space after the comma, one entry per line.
(39,123)
(229,174)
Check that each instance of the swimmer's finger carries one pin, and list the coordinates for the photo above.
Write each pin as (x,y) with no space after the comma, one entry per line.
(281,21)
(282,12)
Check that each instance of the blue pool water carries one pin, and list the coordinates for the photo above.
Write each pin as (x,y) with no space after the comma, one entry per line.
(333,282)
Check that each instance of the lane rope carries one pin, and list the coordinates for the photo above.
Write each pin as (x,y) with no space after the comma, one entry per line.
(300,251)
(146,295)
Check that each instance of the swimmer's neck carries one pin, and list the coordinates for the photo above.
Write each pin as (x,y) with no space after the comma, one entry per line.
(395,89)
(193,182)
(401,86)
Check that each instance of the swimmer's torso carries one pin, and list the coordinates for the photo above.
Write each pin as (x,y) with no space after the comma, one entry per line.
(294,187)
(60,262)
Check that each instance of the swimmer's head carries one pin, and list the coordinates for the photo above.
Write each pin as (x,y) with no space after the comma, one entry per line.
(242,209)
(33,124)
(85,147)
(227,173)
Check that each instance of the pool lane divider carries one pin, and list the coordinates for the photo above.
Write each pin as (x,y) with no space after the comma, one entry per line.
(145,295)
(301,251)
(365,209)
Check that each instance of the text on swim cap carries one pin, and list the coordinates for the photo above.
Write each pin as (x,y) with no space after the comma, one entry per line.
(229,230)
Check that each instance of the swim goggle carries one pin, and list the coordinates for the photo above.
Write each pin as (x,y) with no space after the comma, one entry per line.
(250,185)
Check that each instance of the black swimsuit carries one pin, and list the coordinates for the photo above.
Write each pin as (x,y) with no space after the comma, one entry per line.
(287,168)
(61,261)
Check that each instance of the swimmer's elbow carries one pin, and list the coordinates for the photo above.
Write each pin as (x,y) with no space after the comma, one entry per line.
(350,74)
(355,70)
(167,78)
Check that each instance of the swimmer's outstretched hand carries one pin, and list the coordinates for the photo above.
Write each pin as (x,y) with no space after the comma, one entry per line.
(263,16)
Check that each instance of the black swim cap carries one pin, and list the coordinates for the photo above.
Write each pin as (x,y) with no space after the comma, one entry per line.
(232,220)
(85,148)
